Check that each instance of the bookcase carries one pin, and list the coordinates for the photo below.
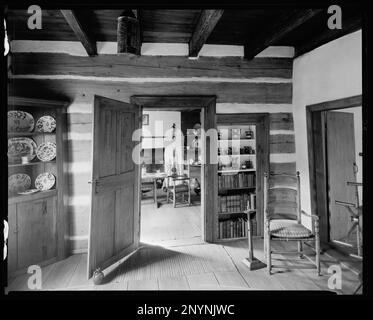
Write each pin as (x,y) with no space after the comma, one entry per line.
(242,149)
(37,220)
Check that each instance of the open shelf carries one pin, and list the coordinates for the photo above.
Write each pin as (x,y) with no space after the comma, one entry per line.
(16,198)
(28,134)
(236,139)
(226,191)
(236,170)
(13,165)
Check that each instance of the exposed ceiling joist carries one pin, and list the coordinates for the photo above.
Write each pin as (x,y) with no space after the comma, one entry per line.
(80,31)
(205,25)
(278,30)
(348,26)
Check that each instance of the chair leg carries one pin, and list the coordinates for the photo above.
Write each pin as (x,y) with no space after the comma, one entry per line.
(174,198)
(269,258)
(300,249)
(267,244)
(317,248)
(189,202)
(167,196)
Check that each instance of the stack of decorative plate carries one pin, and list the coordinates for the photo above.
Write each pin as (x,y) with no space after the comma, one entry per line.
(21,147)
(45,181)
(46,151)
(46,124)
(20,121)
(19,182)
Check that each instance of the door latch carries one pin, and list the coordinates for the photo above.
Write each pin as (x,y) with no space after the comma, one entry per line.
(94,184)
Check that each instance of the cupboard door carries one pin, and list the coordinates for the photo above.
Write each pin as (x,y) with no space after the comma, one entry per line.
(37,236)
(12,238)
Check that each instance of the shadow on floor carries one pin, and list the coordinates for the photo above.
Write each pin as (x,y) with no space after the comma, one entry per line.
(144,257)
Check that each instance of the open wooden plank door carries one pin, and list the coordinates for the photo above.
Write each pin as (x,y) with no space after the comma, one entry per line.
(114,221)
(340,142)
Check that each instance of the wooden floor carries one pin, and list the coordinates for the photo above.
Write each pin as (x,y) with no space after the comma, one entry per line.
(193,267)
(167,225)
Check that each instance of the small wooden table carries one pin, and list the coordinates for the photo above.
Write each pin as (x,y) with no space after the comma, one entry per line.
(251,262)
(150,179)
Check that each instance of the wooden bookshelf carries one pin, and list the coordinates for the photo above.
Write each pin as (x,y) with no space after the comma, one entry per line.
(235,147)
(236,179)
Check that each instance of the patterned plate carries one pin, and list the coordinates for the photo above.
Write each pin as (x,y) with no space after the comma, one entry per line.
(19,182)
(46,124)
(20,121)
(45,181)
(46,151)
(21,147)
(29,191)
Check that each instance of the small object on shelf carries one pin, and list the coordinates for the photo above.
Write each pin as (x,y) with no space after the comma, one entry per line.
(20,121)
(21,147)
(46,151)
(46,124)
(249,134)
(19,182)
(29,191)
(45,181)
(249,164)
(25,160)
(236,134)
(235,163)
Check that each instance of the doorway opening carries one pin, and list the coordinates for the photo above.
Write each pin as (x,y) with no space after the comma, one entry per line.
(336,166)
(170,161)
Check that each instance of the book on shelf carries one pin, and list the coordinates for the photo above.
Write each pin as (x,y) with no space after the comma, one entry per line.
(239,180)
(234,228)
(236,203)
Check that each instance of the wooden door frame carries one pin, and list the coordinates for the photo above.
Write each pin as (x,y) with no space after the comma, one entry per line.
(207,104)
(317,157)
(261,120)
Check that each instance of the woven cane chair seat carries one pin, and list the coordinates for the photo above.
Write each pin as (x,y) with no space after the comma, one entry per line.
(289,229)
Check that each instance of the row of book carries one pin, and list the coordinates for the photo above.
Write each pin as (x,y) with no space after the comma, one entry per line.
(236,203)
(234,228)
(240,180)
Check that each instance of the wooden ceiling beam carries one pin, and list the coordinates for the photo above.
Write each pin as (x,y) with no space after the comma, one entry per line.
(278,30)
(350,25)
(205,25)
(80,31)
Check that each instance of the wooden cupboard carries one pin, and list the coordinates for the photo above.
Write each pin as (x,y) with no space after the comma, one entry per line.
(37,221)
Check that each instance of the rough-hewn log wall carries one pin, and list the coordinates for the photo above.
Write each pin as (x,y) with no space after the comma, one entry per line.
(260,85)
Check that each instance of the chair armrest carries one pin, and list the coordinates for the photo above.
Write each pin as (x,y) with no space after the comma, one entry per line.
(312,216)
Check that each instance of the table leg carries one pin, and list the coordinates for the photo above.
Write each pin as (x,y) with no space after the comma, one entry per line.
(155,193)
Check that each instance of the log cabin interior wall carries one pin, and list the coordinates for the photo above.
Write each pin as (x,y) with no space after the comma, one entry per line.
(263,84)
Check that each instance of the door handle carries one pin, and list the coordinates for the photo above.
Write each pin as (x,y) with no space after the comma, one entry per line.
(94,184)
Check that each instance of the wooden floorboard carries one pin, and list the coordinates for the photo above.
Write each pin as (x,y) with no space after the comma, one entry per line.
(256,279)
(173,283)
(194,267)
(231,280)
(147,284)
(204,281)
(166,224)
(62,272)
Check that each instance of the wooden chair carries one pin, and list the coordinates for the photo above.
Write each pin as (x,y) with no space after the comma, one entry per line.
(178,185)
(282,219)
